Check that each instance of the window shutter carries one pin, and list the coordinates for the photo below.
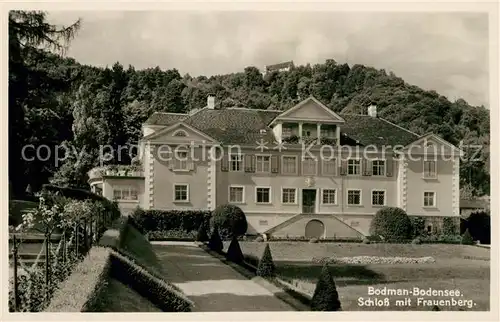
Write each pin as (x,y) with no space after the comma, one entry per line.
(367,171)
(248,162)
(343,167)
(390,166)
(224,165)
(274,164)
(252,166)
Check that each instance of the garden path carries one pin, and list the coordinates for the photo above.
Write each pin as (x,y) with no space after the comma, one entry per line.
(212,285)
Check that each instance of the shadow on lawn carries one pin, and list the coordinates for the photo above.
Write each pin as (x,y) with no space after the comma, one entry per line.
(311,272)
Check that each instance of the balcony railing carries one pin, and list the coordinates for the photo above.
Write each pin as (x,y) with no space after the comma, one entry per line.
(116,170)
(293,139)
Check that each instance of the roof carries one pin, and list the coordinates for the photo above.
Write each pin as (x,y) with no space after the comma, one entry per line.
(473,204)
(162,118)
(243,126)
(280,65)
(234,125)
(368,130)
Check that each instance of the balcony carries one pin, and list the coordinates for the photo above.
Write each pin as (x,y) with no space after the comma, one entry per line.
(116,171)
(298,133)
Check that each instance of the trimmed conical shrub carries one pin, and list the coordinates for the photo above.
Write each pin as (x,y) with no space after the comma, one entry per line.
(234,253)
(467,238)
(266,266)
(202,235)
(215,243)
(325,297)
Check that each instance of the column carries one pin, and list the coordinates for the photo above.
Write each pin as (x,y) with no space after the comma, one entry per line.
(318,130)
(337,134)
(300,131)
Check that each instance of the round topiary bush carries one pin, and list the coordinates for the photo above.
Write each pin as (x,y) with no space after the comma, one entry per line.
(231,221)
(392,223)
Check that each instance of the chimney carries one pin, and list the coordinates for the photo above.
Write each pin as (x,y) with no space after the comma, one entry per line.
(372,110)
(211,101)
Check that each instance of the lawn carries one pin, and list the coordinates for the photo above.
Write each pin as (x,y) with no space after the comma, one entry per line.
(118,297)
(453,269)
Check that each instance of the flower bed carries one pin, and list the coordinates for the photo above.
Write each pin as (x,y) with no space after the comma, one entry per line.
(365,260)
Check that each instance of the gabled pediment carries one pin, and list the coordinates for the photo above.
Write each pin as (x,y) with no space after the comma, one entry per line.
(312,110)
(430,144)
(179,133)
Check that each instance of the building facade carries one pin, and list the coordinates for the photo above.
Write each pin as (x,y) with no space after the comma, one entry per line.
(302,172)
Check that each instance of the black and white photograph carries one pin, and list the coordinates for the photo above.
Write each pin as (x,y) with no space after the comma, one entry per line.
(218,158)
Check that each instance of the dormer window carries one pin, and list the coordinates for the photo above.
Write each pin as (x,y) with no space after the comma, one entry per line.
(263,131)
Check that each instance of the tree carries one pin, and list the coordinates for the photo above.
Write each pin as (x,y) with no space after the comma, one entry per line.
(325,297)
(215,243)
(392,223)
(467,238)
(266,267)
(202,234)
(234,252)
(28,32)
(231,220)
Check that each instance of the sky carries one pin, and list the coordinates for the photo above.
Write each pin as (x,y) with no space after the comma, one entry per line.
(445,52)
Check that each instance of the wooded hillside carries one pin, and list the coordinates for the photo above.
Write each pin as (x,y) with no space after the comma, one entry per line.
(55,100)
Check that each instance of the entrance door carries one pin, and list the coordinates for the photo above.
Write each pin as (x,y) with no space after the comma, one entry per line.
(308,201)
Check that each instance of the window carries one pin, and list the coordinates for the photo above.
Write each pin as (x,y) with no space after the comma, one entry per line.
(429,199)
(289,165)
(309,167)
(124,193)
(329,196)
(327,133)
(236,194)
(263,163)
(378,167)
(354,197)
(263,195)
(353,167)
(330,167)
(288,195)
(286,132)
(263,131)
(181,192)
(236,163)
(378,198)
(181,160)
(306,133)
(429,169)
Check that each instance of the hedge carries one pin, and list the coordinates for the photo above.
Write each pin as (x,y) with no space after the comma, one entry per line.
(160,220)
(164,296)
(80,291)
